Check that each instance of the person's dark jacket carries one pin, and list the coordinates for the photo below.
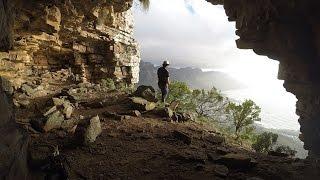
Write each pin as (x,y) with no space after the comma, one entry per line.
(163,76)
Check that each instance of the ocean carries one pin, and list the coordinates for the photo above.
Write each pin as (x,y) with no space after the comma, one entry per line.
(277,106)
(277,112)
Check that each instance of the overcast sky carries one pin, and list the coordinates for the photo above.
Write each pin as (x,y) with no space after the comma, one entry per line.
(195,33)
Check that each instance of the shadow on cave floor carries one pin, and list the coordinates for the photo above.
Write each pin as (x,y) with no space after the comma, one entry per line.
(151,147)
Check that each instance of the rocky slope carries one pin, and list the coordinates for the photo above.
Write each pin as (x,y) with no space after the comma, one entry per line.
(146,145)
(194,77)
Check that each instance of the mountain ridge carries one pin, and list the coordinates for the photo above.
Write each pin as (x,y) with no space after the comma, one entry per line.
(194,77)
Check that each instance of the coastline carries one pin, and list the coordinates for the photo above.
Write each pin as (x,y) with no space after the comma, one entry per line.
(278,118)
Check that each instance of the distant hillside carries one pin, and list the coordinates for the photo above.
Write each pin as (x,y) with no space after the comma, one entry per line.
(194,77)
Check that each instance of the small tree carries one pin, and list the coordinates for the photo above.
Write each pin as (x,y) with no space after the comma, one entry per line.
(243,116)
(264,142)
(208,104)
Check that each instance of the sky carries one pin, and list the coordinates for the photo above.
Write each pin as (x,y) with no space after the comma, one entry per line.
(196,33)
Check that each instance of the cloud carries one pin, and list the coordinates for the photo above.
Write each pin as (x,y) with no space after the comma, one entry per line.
(189,7)
(189,33)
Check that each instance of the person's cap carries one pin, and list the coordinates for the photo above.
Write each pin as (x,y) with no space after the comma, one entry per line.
(166,63)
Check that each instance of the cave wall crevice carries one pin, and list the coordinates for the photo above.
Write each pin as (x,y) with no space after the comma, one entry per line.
(6,25)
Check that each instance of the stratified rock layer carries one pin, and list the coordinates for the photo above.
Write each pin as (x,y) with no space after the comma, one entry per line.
(46,45)
(94,40)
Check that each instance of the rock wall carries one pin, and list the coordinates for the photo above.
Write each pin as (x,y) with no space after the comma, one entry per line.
(13,142)
(46,45)
(92,39)
(6,23)
(287,31)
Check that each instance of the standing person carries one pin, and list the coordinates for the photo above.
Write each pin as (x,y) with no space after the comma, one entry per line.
(163,80)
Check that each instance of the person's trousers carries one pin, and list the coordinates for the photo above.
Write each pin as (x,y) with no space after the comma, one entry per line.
(164,92)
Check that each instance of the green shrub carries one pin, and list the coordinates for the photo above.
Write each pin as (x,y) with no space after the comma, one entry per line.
(180,91)
(124,87)
(264,142)
(285,150)
(108,83)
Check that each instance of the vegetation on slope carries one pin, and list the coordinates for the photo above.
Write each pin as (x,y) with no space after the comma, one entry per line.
(236,120)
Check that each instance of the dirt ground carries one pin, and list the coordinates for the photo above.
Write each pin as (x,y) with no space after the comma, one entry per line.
(148,147)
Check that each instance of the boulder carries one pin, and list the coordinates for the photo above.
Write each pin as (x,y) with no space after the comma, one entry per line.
(182,117)
(64,105)
(50,111)
(186,117)
(68,110)
(141,104)
(221,170)
(27,89)
(182,137)
(193,156)
(24,103)
(174,105)
(222,150)
(146,92)
(165,112)
(58,101)
(135,113)
(214,139)
(93,130)
(39,92)
(237,161)
(168,112)
(177,117)
(54,121)
(69,124)
(38,124)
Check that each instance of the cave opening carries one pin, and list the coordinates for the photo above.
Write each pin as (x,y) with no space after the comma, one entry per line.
(197,35)
(66,67)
